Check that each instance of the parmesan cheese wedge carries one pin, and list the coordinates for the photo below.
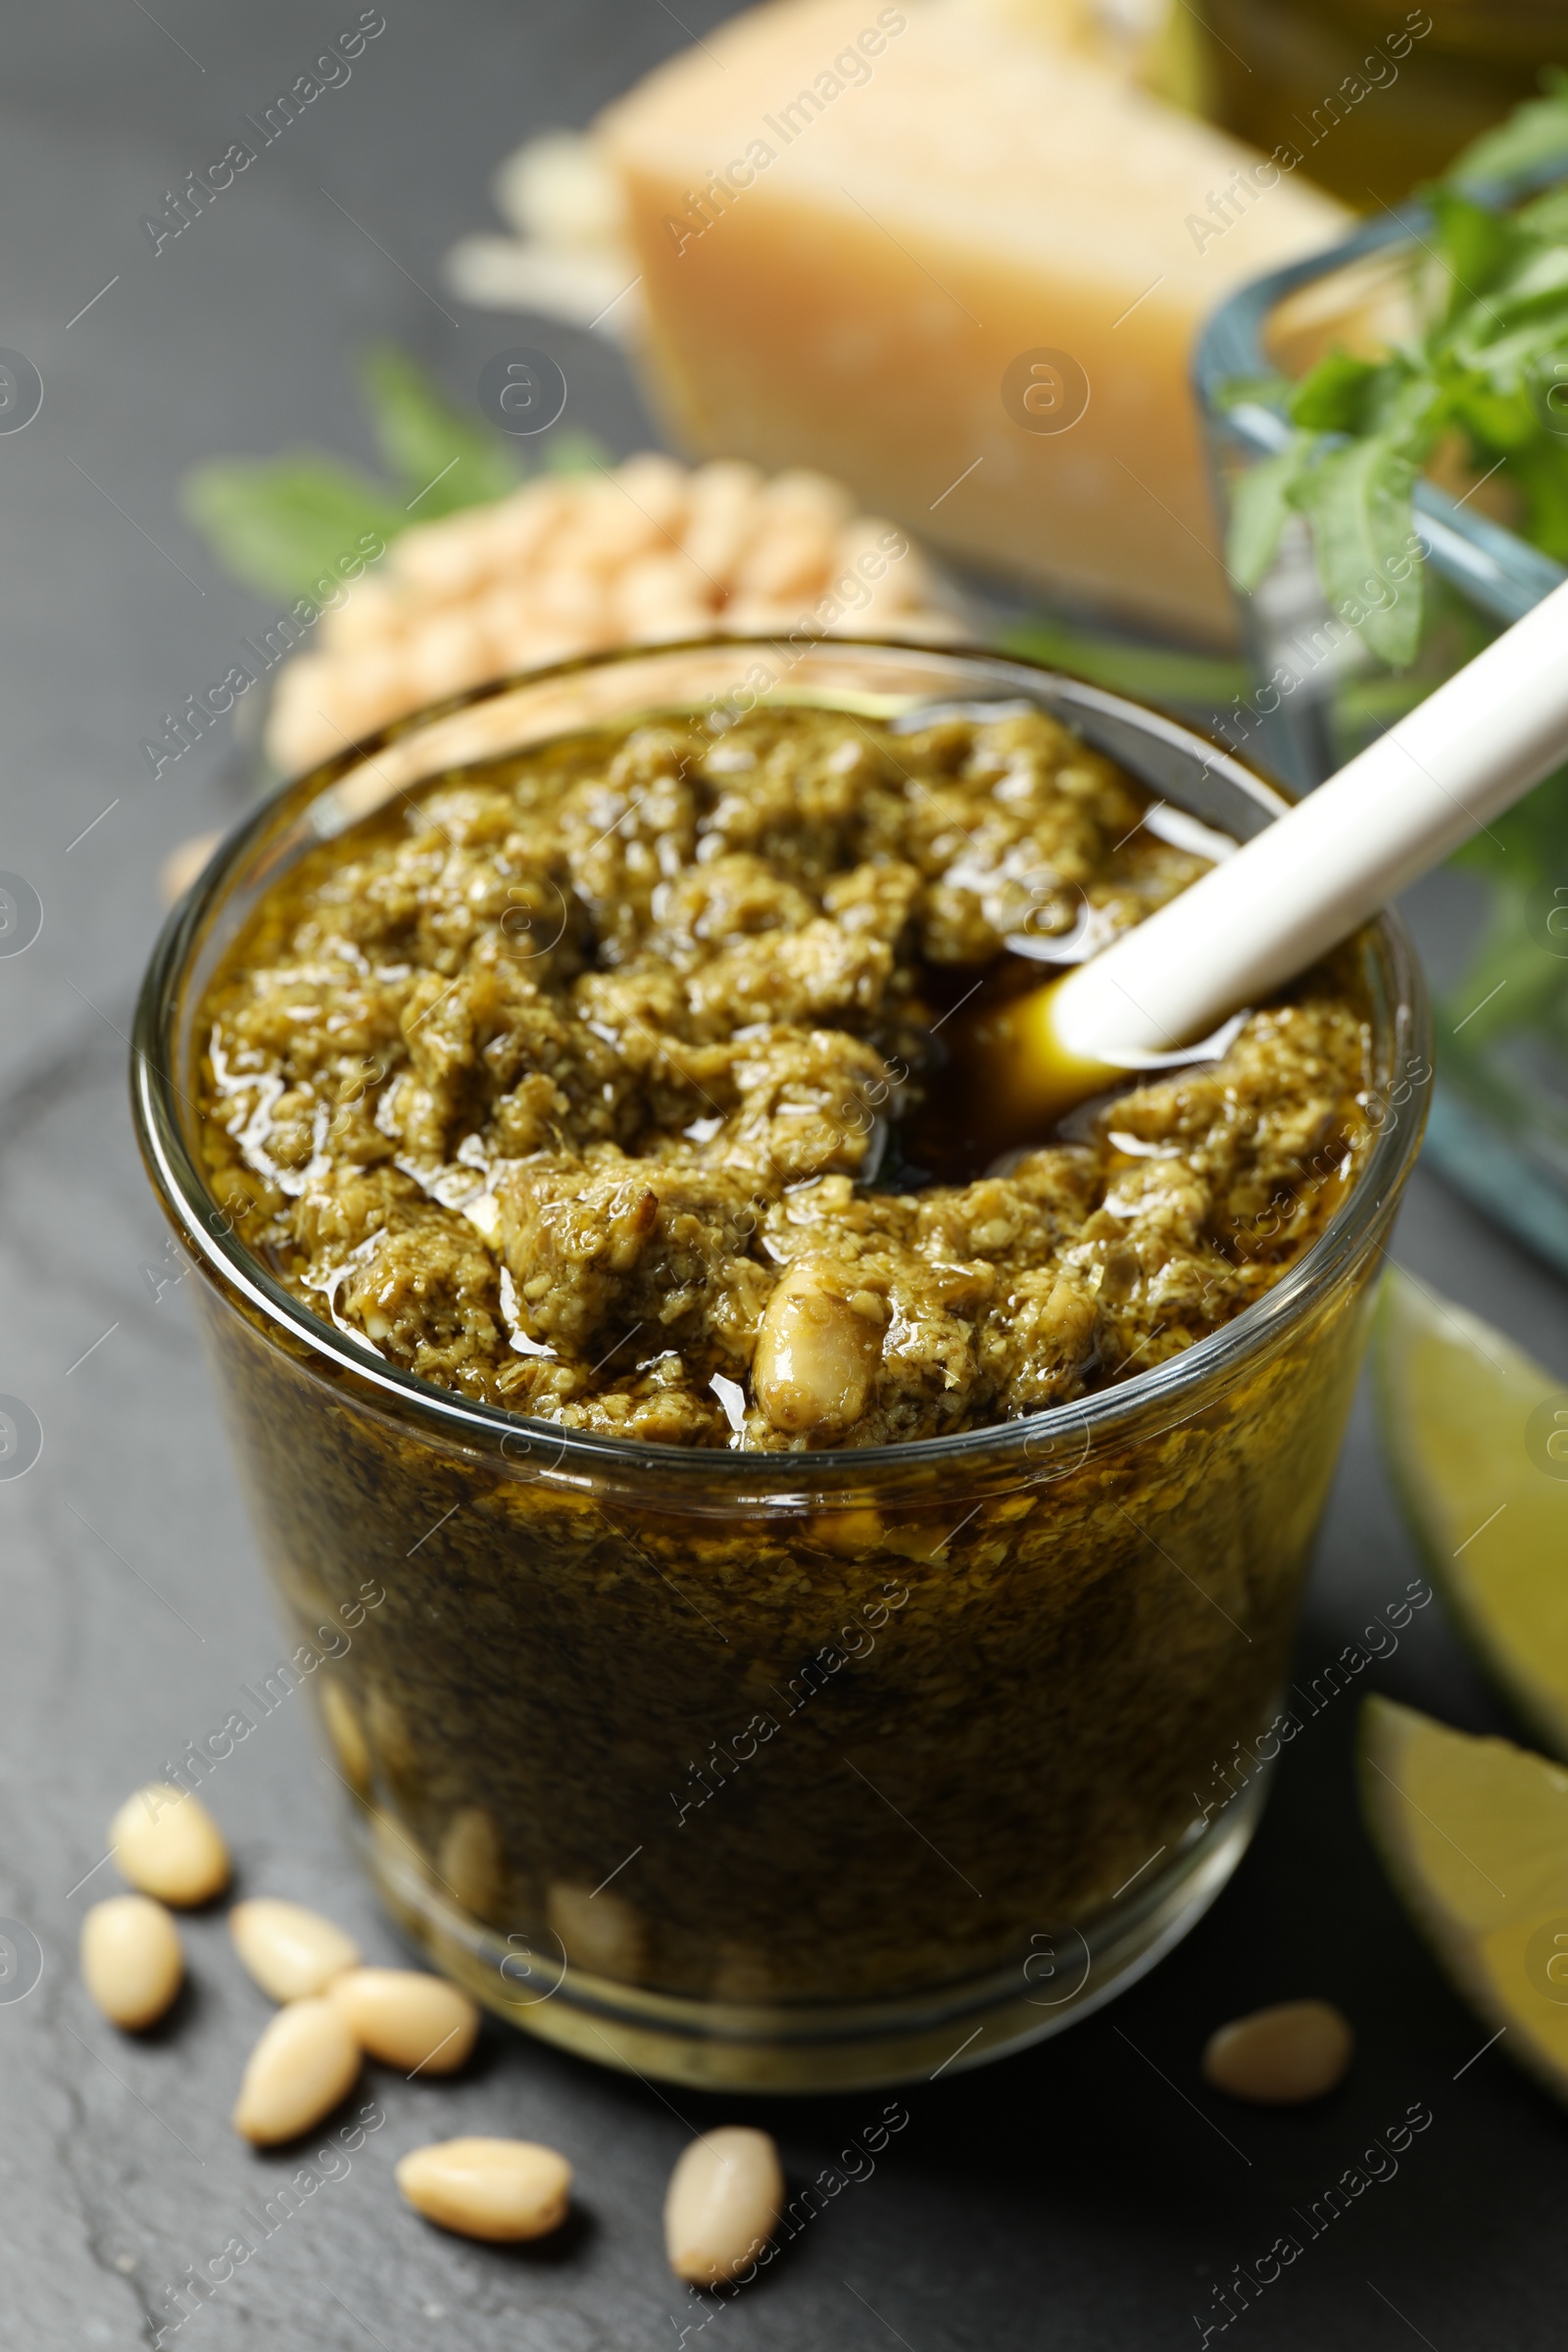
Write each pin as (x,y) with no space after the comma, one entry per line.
(854,221)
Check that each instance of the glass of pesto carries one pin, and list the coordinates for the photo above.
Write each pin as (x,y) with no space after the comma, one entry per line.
(775,1727)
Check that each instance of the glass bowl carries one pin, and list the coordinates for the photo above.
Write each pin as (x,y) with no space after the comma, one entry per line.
(1498,1129)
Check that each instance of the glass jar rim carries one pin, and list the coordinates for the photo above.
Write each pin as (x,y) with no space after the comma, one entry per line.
(1047,1444)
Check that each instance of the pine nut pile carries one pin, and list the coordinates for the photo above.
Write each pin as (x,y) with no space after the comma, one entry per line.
(645,555)
(727,2192)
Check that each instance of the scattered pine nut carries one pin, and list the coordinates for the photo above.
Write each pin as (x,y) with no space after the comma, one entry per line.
(290,1951)
(1280,2057)
(167,1843)
(504,2190)
(407,2019)
(723,2205)
(304,2064)
(132,1961)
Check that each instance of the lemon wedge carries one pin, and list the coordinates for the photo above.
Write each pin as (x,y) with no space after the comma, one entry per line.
(1476,1434)
(1474,1833)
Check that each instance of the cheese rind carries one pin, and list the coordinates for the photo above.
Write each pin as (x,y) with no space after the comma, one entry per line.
(851,223)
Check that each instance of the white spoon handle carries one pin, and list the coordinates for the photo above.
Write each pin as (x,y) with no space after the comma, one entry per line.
(1468,752)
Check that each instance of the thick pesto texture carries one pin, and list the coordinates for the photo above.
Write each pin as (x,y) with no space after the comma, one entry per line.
(611,1082)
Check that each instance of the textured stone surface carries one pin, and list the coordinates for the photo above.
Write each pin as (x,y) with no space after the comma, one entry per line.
(1086,2194)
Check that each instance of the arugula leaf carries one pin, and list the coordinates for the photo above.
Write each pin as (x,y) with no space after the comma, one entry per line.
(1358,500)
(278,527)
(442,458)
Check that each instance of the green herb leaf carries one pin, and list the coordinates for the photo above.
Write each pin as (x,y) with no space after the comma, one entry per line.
(1405,403)
(1545,217)
(570,451)
(1474,245)
(1189,681)
(1237,390)
(1540,472)
(1497,422)
(1365,707)
(1490,366)
(443,460)
(281,526)
(1537,278)
(1508,359)
(1512,980)
(1259,508)
(1534,140)
(1524,847)
(1333,396)
(1358,500)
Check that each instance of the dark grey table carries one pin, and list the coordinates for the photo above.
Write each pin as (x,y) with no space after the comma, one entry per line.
(1086,2194)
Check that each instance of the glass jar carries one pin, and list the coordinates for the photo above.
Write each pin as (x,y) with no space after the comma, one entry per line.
(783,1770)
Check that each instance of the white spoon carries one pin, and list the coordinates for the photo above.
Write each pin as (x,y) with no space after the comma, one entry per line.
(1473,748)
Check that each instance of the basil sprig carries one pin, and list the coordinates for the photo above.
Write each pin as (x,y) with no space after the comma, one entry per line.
(1486,372)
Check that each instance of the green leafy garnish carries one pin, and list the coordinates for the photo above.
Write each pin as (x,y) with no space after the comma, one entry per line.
(441,458)
(1260,507)
(570,451)
(1358,500)
(1486,376)
(280,524)
(1337,397)
(1153,673)
(1533,140)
